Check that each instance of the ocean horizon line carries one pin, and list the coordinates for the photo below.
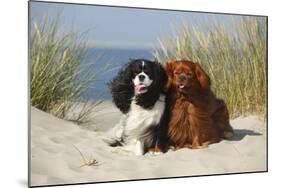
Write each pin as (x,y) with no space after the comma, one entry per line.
(123,47)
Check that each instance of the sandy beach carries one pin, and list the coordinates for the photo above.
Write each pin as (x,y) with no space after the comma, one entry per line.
(55,160)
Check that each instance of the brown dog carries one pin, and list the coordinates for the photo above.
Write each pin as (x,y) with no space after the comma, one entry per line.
(197,117)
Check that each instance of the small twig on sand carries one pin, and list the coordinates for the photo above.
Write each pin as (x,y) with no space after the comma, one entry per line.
(87,162)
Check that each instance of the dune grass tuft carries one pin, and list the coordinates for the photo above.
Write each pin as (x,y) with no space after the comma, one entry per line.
(58,78)
(235,59)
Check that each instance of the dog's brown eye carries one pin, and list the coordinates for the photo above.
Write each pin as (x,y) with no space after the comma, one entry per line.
(176,72)
(190,75)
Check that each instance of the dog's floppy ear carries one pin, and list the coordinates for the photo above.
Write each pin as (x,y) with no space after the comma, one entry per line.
(169,68)
(202,76)
(121,88)
(162,75)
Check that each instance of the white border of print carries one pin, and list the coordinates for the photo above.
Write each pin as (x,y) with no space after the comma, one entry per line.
(13,81)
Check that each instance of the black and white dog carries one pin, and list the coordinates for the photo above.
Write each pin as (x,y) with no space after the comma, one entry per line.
(137,91)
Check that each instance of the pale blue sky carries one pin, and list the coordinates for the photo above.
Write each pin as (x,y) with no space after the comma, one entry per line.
(123,27)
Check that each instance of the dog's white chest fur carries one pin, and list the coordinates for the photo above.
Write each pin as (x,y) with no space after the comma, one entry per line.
(139,119)
(136,123)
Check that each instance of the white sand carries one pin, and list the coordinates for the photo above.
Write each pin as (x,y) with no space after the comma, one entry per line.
(54,159)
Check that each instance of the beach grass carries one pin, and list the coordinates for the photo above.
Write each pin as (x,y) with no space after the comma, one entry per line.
(235,59)
(58,78)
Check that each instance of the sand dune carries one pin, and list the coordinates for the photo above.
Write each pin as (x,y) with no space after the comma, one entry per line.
(54,159)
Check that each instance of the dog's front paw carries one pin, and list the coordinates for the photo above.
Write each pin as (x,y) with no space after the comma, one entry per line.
(155,151)
(139,153)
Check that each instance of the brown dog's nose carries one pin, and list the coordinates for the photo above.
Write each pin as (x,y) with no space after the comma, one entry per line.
(182,77)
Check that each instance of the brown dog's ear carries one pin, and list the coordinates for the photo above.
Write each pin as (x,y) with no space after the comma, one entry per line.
(169,68)
(202,76)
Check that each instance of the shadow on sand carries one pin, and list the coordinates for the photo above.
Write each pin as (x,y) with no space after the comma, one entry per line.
(239,134)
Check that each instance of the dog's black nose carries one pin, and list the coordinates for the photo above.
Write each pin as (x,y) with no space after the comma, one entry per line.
(182,77)
(141,77)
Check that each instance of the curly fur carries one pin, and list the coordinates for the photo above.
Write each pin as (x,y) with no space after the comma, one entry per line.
(143,113)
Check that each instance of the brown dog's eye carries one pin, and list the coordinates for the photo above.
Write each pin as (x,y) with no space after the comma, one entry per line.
(176,73)
(190,75)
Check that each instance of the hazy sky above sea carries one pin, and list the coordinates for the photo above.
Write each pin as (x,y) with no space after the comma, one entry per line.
(124,27)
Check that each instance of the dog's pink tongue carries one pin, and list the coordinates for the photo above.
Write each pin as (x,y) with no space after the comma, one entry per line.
(140,88)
